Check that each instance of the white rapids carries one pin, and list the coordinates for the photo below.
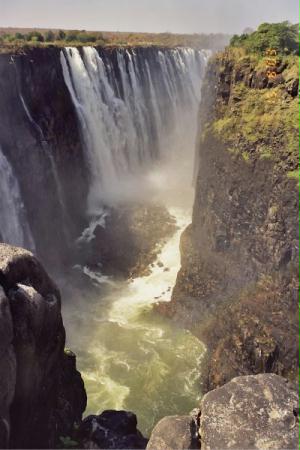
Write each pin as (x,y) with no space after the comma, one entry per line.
(137,111)
(129,356)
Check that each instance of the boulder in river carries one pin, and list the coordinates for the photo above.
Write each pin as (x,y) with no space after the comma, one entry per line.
(111,430)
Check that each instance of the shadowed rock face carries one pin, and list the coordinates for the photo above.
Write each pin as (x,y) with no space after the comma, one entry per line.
(42,394)
(130,241)
(111,430)
(251,412)
(7,368)
(237,287)
(40,141)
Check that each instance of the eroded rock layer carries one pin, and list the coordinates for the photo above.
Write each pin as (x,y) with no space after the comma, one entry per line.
(237,287)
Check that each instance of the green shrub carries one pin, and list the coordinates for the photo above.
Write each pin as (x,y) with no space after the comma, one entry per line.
(283,37)
(35,36)
(49,36)
(20,37)
(71,36)
(86,37)
(61,35)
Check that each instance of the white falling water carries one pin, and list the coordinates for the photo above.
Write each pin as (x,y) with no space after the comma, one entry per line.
(14,228)
(133,112)
(138,115)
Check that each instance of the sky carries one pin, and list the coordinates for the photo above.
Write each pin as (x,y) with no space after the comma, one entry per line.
(178,16)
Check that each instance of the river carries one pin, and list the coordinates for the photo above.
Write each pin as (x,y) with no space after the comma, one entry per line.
(130,357)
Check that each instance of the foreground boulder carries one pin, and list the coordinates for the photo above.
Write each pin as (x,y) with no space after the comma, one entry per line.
(176,432)
(42,395)
(111,430)
(251,412)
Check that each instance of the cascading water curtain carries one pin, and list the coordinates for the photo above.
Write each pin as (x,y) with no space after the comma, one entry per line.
(135,107)
(14,228)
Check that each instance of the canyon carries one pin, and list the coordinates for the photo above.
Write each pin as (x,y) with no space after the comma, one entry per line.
(170,302)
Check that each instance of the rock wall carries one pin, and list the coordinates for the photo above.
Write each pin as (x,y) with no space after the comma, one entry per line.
(40,138)
(42,395)
(237,287)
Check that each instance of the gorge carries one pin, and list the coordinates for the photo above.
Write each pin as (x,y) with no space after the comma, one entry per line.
(97,160)
(111,130)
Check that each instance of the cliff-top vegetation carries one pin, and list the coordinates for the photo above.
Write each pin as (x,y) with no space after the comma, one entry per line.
(14,39)
(259,115)
(282,37)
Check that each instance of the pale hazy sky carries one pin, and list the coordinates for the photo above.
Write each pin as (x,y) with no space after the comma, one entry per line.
(191,16)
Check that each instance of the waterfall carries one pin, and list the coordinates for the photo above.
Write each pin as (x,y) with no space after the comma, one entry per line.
(48,152)
(135,108)
(14,228)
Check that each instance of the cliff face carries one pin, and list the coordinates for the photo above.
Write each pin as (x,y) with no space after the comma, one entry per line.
(40,138)
(41,393)
(237,287)
(76,125)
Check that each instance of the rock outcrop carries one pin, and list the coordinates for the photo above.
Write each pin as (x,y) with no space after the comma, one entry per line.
(130,240)
(42,394)
(176,432)
(111,430)
(250,412)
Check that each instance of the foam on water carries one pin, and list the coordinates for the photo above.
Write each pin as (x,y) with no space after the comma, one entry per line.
(130,357)
(137,111)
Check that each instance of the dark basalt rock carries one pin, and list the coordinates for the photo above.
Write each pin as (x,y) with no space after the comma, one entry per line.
(237,286)
(18,265)
(32,149)
(7,368)
(111,430)
(42,395)
(130,241)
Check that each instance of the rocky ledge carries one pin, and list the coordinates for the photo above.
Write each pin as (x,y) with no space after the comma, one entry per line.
(249,412)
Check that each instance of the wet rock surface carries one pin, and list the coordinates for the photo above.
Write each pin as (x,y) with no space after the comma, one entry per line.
(111,430)
(130,241)
(251,412)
